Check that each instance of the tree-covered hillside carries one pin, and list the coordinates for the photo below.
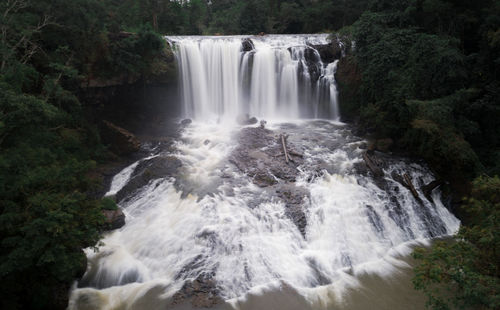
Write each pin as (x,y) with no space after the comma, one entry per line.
(47,147)
(425,73)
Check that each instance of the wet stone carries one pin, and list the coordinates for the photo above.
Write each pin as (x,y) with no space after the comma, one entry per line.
(148,170)
(201,292)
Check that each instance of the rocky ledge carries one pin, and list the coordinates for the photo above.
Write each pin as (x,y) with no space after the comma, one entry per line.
(260,155)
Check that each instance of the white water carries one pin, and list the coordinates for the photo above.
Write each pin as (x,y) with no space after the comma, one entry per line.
(241,234)
(211,219)
(220,79)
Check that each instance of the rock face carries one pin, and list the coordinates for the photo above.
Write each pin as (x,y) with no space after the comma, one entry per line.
(312,58)
(186,122)
(121,141)
(329,52)
(348,77)
(247,45)
(148,170)
(293,197)
(260,155)
(202,292)
(114,219)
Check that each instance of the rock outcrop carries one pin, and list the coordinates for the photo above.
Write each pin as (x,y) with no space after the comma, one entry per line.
(247,45)
(201,292)
(260,155)
(120,140)
(114,219)
(329,52)
(148,170)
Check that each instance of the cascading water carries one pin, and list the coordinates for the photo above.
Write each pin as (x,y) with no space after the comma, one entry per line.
(230,225)
(222,78)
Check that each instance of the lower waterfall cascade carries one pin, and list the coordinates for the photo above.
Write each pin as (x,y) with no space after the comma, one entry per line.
(230,225)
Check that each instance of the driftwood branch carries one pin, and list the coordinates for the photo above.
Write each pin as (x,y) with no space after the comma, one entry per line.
(405,180)
(295,154)
(410,186)
(283,143)
(372,165)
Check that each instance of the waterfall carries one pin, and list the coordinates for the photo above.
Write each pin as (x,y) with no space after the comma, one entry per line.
(219,219)
(220,78)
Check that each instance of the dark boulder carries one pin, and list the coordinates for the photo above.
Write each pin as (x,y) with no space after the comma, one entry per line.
(120,141)
(148,170)
(329,52)
(293,197)
(114,219)
(186,122)
(264,179)
(247,45)
(252,120)
(245,119)
(201,292)
(312,59)
(260,155)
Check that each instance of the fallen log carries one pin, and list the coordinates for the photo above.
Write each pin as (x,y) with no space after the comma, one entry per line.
(428,188)
(371,164)
(295,154)
(410,186)
(283,143)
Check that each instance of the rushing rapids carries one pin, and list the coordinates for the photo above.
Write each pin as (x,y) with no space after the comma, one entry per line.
(222,221)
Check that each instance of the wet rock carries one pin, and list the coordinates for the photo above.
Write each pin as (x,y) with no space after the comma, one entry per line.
(114,219)
(329,52)
(247,45)
(148,170)
(263,179)
(246,120)
(375,219)
(120,141)
(293,197)
(252,120)
(201,292)
(260,155)
(374,164)
(186,122)
(360,168)
(313,59)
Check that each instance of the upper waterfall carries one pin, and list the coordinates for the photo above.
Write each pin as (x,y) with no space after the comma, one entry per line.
(272,76)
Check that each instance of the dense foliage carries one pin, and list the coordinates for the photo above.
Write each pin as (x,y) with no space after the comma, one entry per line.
(47,148)
(237,16)
(429,79)
(425,73)
(464,273)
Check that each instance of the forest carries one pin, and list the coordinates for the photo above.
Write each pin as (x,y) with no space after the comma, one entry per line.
(421,72)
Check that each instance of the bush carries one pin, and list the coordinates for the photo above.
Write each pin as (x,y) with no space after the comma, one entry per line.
(464,273)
